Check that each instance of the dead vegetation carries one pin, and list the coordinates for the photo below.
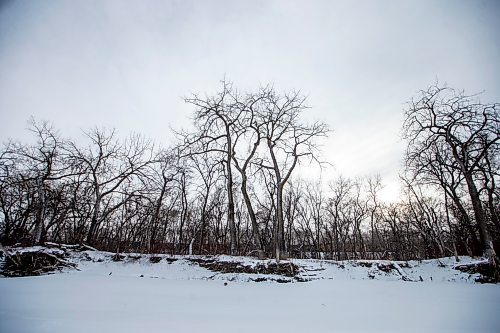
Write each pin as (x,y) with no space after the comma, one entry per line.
(286,269)
(488,273)
(154,260)
(40,260)
(118,257)
(70,247)
(386,268)
(33,263)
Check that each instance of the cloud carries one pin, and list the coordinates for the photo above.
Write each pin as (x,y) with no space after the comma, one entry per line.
(126,64)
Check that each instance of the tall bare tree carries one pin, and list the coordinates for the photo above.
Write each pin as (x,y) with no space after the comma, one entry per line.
(248,132)
(214,118)
(463,129)
(288,141)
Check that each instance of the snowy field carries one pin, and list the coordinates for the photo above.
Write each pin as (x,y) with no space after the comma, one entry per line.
(139,296)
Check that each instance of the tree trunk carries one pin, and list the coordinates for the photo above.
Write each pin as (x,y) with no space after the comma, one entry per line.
(41,213)
(154,218)
(93,223)
(253,219)
(488,250)
(230,197)
(468,224)
(280,225)
(203,221)
(492,208)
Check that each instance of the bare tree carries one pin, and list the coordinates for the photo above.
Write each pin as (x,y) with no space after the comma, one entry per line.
(40,168)
(288,141)
(209,172)
(213,120)
(375,208)
(248,136)
(108,165)
(463,129)
(159,177)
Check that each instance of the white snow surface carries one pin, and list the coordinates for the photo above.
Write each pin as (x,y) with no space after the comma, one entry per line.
(135,295)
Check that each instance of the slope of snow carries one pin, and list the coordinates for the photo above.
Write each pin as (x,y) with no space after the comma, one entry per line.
(139,296)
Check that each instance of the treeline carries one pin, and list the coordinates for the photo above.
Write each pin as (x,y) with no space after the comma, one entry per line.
(231,185)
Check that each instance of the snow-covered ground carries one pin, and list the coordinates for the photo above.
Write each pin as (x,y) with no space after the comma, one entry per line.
(136,295)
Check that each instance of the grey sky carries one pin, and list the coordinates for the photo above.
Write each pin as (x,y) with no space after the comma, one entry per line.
(126,64)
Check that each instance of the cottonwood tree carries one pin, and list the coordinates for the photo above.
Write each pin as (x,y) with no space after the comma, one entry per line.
(183,184)
(490,171)
(210,173)
(374,186)
(434,166)
(423,214)
(213,120)
(108,164)
(338,208)
(288,141)
(248,132)
(17,196)
(465,131)
(295,238)
(38,169)
(311,212)
(160,177)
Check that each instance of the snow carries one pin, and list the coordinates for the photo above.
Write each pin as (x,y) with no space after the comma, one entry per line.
(111,296)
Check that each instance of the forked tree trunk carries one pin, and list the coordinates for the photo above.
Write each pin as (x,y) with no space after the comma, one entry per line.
(253,219)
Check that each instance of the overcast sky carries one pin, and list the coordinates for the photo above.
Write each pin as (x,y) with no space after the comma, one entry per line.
(126,64)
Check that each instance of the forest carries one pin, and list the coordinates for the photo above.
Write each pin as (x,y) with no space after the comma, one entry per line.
(232,184)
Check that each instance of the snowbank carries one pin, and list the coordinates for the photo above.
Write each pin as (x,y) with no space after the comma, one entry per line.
(177,295)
